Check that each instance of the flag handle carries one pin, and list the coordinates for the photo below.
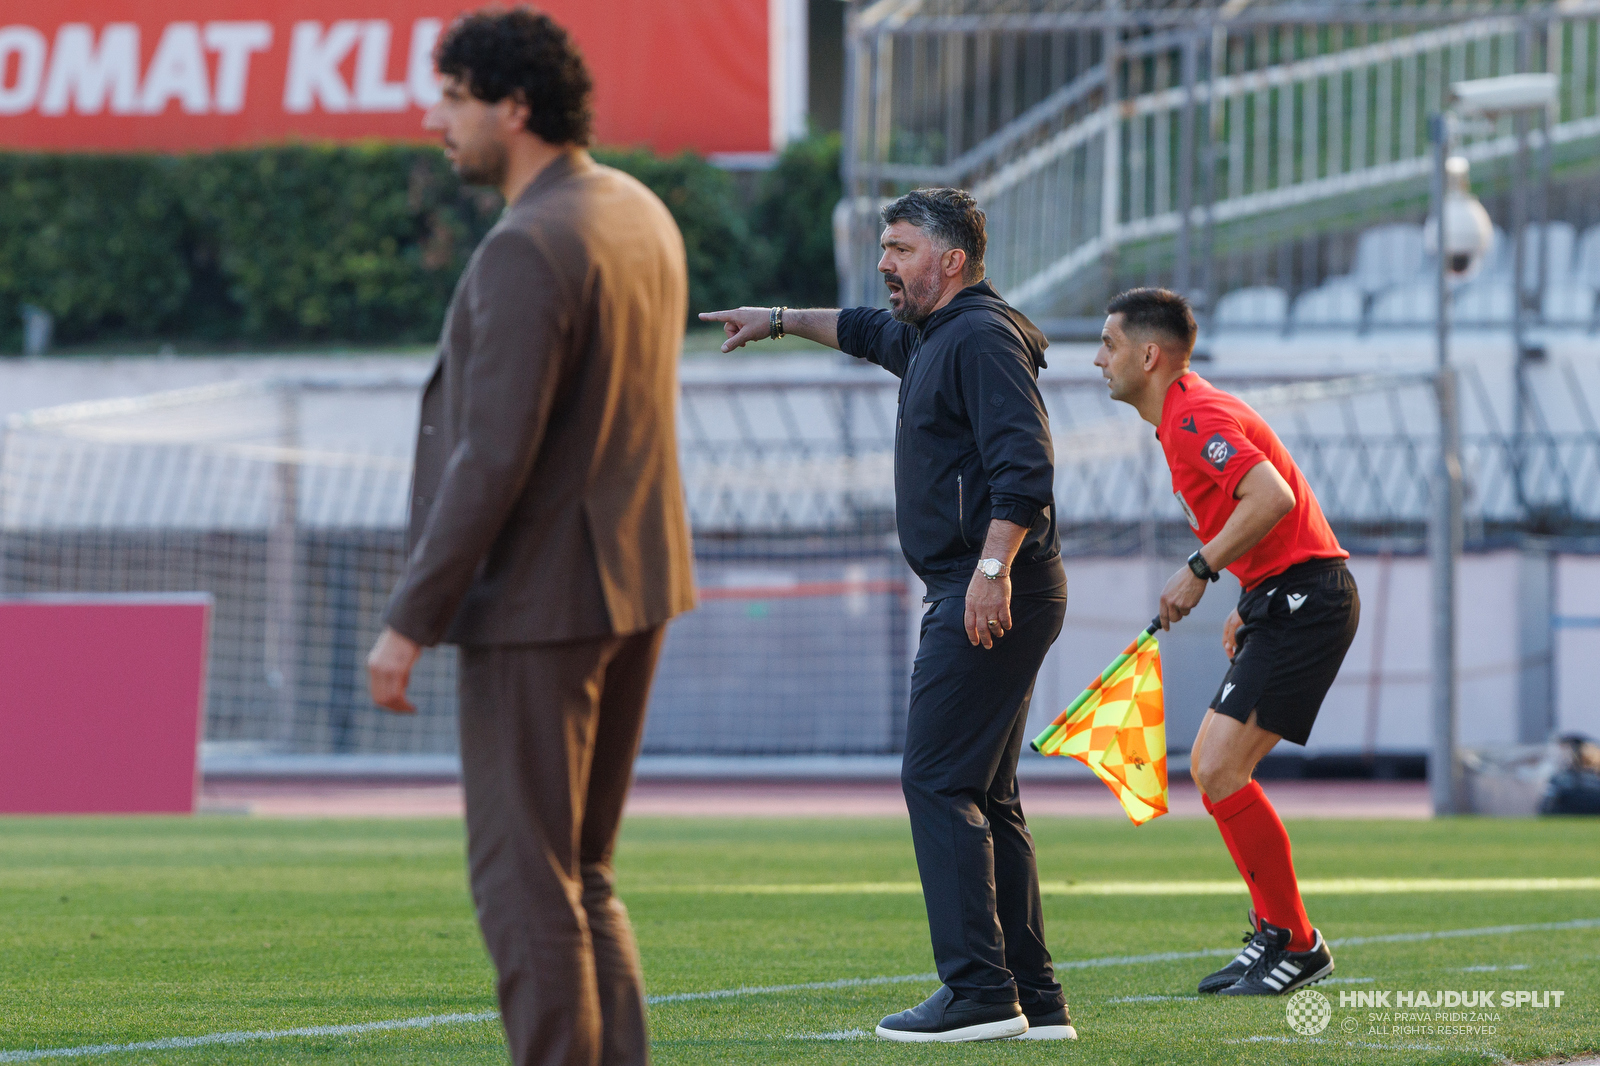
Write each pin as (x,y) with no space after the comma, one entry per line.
(1038,742)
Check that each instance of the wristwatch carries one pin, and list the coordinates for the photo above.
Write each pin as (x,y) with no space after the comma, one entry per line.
(993,569)
(1200,568)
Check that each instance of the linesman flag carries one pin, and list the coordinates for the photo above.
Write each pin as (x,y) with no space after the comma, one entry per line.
(1117,728)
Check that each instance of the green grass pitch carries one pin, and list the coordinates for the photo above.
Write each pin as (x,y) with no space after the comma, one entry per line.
(117,931)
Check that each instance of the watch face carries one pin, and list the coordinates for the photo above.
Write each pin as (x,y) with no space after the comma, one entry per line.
(990,567)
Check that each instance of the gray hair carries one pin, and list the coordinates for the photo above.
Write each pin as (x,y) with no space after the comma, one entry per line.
(951,217)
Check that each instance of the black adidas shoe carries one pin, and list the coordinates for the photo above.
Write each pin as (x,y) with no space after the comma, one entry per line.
(1278,970)
(945,1017)
(1216,982)
(1050,1025)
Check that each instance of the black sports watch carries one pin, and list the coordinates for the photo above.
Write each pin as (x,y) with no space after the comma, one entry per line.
(1200,568)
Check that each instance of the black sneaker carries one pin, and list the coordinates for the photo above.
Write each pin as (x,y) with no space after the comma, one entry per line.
(1278,970)
(1051,1025)
(945,1017)
(1216,982)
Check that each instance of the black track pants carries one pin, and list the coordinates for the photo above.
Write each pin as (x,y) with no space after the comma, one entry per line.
(969,711)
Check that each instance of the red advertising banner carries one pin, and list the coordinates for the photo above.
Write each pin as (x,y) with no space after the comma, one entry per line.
(182,75)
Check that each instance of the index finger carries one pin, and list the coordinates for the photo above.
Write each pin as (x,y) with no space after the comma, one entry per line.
(716,316)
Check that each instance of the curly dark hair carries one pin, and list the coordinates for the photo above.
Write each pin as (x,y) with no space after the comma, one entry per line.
(951,217)
(1152,310)
(497,52)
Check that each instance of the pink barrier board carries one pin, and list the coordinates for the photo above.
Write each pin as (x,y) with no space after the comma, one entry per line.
(101,700)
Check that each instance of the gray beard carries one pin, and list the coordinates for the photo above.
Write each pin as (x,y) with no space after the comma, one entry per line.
(915,306)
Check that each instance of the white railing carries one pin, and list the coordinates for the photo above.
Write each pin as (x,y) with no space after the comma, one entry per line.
(1205,121)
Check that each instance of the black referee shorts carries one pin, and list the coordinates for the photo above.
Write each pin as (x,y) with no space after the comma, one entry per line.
(1296,628)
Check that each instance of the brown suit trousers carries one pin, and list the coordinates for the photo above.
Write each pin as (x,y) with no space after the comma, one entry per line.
(548,539)
(549,733)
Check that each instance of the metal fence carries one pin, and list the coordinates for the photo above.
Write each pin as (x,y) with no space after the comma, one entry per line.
(286,501)
(1089,133)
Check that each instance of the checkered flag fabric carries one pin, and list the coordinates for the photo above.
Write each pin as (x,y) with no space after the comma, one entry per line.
(1117,728)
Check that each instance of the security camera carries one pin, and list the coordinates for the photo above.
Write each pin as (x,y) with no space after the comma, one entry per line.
(1513,92)
(1468,233)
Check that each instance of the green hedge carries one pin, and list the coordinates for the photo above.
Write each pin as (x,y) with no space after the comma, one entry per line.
(362,244)
(98,242)
(794,215)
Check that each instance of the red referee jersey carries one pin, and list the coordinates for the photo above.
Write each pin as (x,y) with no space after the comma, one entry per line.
(1212,440)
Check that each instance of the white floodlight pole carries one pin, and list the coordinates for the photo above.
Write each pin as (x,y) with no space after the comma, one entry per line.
(1445,533)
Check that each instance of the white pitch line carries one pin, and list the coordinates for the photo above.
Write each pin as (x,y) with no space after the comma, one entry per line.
(1449,934)
(1154,999)
(428,1021)
(177,1042)
(1361,1044)
(1347,886)
(841,1034)
(1136,960)
(767,990)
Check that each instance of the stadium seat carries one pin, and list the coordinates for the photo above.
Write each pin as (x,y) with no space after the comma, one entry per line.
(1483,301)
(1558,256)
(1412,304)
(1570,304)
(1586,271)
(1561,238)
(1336,302)
(1257,306)
(1387,256)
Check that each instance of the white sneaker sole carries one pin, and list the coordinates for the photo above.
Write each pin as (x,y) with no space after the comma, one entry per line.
(986,1031)
(1048,1032)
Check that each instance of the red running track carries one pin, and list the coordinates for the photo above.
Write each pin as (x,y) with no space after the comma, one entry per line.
(278,798)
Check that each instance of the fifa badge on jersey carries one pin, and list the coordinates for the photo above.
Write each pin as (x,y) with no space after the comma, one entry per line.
(1218,451)
(1188,512)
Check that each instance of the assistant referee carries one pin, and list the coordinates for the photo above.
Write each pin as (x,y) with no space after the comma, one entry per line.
(1250,506)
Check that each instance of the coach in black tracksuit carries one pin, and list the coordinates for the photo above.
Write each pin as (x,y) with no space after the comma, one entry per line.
(974,471)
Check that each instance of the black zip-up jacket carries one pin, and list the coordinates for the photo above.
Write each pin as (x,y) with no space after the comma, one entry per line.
(972,440)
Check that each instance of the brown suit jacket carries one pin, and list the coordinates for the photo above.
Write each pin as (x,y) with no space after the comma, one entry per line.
(546,499)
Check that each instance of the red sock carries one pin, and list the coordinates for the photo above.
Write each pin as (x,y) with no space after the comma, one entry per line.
(1264,857)
(1233,850)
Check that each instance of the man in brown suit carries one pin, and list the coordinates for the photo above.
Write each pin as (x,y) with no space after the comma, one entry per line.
(547,536)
